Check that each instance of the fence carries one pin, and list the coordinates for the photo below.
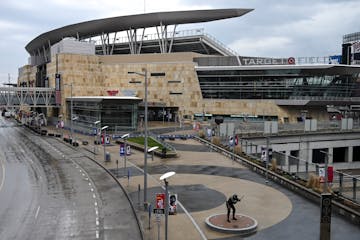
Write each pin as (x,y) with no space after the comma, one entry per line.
(343,184)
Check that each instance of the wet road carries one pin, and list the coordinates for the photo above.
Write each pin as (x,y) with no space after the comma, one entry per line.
(49,190)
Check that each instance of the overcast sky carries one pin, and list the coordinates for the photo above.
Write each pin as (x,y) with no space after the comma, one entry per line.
(276,28)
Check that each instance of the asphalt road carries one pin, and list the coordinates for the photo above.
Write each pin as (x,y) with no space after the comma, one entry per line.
(49,190)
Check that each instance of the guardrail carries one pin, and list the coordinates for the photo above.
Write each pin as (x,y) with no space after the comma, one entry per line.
(288,180)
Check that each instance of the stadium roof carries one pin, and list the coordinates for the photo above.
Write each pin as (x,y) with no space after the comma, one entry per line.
(97,27)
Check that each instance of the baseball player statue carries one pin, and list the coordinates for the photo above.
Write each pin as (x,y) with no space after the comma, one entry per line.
(230,205)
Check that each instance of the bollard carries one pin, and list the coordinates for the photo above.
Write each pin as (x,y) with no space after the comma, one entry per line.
(149,214)
(117,168)
(139,195)
(128,175)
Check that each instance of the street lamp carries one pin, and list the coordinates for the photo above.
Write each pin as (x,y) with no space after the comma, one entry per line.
(73,119)
(164,177)
(60,124)
(151,150)
(144,74)
(104,129)
(96,132)
(125,136)
(71,110)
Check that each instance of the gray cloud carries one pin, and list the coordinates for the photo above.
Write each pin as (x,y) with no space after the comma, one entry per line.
(274,28)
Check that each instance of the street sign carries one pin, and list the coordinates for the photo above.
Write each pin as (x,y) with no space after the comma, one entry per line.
(159,210)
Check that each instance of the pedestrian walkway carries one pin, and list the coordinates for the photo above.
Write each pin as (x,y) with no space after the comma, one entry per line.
(203,182)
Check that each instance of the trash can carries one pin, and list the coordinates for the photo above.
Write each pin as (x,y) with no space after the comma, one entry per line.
(107,157)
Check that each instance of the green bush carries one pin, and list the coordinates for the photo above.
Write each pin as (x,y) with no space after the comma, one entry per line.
(151,142)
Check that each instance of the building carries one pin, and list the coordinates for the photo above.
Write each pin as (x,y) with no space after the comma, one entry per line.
(351,48)
(189,73)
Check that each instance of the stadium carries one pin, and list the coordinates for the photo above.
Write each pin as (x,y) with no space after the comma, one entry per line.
(104,69)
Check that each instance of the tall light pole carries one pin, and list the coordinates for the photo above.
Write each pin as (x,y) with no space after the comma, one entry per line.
(96,132)
(125,136)
(144,74)
(104,129)
(165,177)
(71,110)
(60,124)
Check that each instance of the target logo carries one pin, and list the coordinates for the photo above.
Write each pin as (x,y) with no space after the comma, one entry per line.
(291,60)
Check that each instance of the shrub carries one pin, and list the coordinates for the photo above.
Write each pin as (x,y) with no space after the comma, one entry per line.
(201,134)
(216,141)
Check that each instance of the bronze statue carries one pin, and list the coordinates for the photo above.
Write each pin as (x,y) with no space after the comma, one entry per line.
(230,205)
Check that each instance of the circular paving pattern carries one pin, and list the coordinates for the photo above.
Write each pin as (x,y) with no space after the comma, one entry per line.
(196,197)
(243,224)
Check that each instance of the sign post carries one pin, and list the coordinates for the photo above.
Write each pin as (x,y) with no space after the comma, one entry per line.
(325,216)
(159,209)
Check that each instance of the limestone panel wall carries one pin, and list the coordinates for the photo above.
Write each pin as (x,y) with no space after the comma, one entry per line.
(27,74)
(80,73)
(93,75)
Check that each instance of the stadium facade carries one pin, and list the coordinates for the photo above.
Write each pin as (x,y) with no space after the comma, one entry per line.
(189,73)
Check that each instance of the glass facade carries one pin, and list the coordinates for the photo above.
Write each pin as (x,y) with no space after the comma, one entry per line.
(117,114)
(337,83)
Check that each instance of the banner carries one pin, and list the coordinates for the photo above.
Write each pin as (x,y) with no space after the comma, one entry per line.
(160,200)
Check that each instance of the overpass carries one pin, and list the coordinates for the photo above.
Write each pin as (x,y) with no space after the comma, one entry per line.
(27,96)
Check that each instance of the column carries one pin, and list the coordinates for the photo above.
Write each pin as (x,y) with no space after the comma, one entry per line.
(350,153)
(330,155)
(309,154)
(287,154)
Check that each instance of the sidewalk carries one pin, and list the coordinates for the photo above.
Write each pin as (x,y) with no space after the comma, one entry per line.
(203,181)
(181,225)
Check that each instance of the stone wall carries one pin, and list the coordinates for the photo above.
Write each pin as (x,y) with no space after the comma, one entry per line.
(94,75)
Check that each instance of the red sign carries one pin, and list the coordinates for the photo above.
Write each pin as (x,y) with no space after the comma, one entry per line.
(330,173)
(112,92)
(160,200)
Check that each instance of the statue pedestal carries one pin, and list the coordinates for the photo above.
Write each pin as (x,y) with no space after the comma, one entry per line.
(243,225)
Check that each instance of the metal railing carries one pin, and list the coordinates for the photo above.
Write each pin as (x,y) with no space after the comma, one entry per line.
(177,35)
(257,127)
(343,184)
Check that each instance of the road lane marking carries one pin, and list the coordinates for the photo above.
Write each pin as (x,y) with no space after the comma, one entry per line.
(95,203)
(97,233)
(37,212)
(94,196)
